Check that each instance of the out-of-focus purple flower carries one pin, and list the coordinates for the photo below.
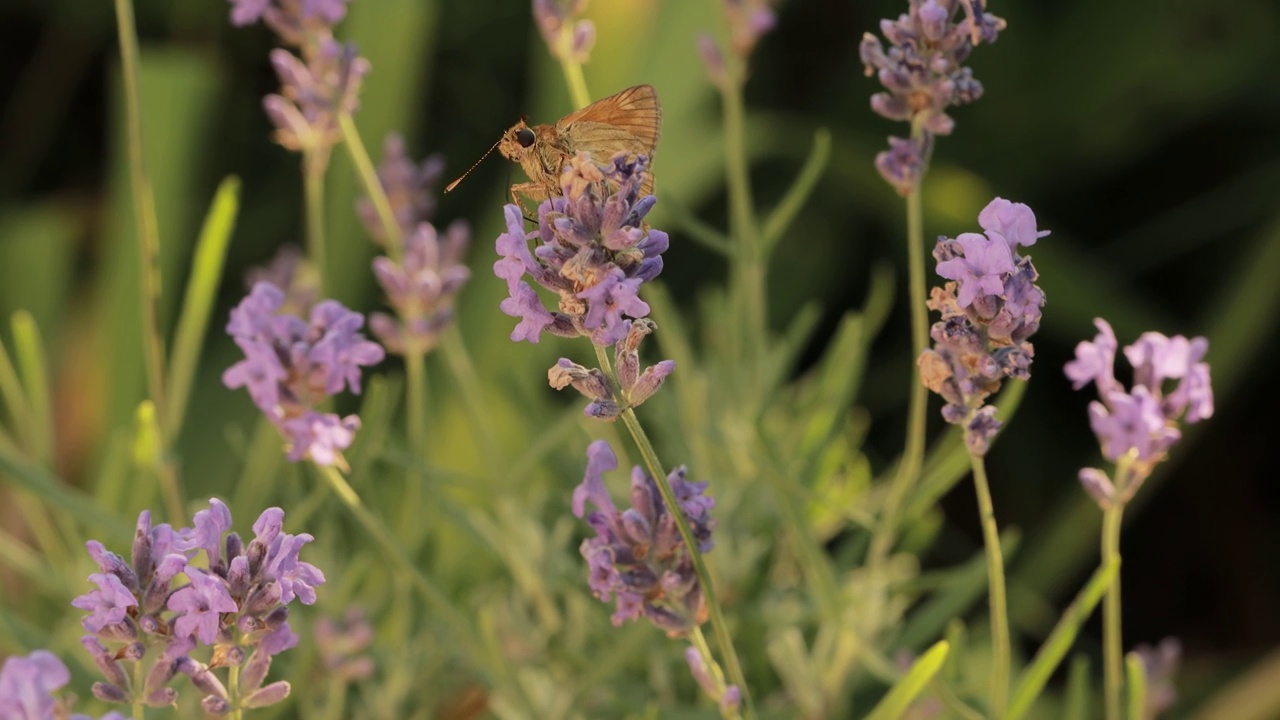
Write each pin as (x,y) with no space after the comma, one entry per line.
(749,20)
(109,604)
(344,646)
(27,685)
(293,20)
(290,271)
(922,70)
(637,556)
(314,92)
(569,38)
(902,165)
(410,188)
(728,698)
(1160,664)
(291,366)
(634,386)
(595,252)
(1138,425)
(421,287)
(989,310)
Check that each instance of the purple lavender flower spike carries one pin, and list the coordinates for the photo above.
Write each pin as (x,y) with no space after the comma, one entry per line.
(637,557)
(595,252)
(1138,426)
(290,366)
(207,535)
(923,73)
(422,287)
(568,38)
(109,604)
(314,92)
(902,165)
(293,20)
(749,20)
(989,311)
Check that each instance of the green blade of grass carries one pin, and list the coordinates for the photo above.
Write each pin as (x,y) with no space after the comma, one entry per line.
(900,697)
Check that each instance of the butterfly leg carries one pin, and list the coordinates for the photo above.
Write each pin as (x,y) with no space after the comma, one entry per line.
(531,190)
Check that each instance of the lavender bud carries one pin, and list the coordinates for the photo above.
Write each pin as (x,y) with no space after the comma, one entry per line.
(107,692)
(269,695)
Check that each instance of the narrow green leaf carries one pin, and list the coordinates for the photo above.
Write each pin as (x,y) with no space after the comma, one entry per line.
(1078,693)
(29,347)
(15,399)
(73,501)
(780,219)
(704,234)
(1055,647)
(1136,680)
(197,304)
(900,697)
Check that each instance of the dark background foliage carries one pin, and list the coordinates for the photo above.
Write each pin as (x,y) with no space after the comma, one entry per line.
(1145,134)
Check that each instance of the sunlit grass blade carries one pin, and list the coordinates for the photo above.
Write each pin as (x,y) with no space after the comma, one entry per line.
(900,697)
(1136,684)
(1055,647)
(197,305)
(58,494)
(32,368)
(780,219)
(15,399)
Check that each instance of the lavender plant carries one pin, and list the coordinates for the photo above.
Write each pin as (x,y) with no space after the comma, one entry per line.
(810,558)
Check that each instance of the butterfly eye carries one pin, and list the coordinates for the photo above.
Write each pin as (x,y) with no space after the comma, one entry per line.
(524,136)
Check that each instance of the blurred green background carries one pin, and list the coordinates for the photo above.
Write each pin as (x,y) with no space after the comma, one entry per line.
(1146,136)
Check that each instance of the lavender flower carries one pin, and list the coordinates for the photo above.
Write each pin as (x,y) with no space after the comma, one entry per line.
(595,253)
(291,366)
(748,21)
(1160,664)
(296,21)
(923,73)
(634,387)
(1138,426)
(291,271)
(728,698)
(637,556)
(344,645)
(989,310)
(237,605)
(421,287)
(27,685)
(409,186)
(314,91)
(568,38)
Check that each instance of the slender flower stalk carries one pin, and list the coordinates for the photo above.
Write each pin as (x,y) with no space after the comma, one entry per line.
(1136,428)
(923,74)
(569,39)
(1001,649)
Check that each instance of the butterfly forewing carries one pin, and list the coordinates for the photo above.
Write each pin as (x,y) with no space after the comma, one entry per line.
(634,111)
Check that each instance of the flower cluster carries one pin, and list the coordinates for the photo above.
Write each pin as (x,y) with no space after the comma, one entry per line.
(923,73)
(27,685)
(989,310)
(595,252)
(568,38)
(637,556)
(1138,426)
(748,21)
(292,365)
(421,286)
(634,386)
(290,271)
(318,86)
(728,698)
(237,605)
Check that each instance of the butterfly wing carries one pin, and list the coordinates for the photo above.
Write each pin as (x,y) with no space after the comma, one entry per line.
(634,111)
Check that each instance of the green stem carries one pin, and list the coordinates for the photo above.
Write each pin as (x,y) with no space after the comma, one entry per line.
(1113,653)
(314,164)
(415,366)
(573,77)
(913,453)
(749,261)
(144,209)
(233,692)
(372,186)
(1000,648)
(718,624)
(139,681)
(335,702)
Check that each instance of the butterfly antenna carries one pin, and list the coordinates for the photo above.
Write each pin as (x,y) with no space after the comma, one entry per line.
(463,176)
